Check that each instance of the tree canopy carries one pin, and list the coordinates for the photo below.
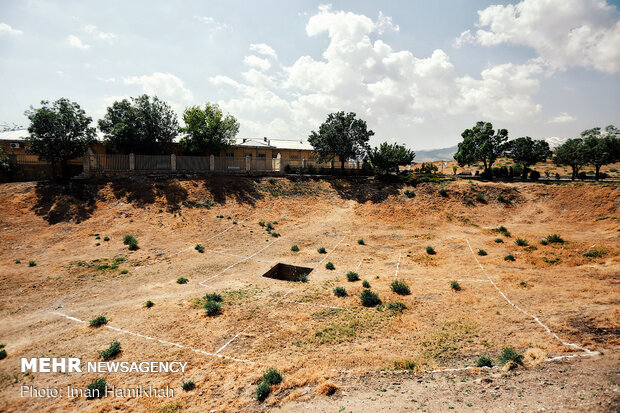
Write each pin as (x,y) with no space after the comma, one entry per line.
(208,130)
(388,157)
(527,152)
(573,153)
(603,147)
(341,135)
(59,131)
(143,125)
(481,144)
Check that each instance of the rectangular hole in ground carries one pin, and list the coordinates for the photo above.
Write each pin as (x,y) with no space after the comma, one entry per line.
(287,272)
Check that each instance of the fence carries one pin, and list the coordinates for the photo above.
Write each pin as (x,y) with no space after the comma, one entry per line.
(28,159)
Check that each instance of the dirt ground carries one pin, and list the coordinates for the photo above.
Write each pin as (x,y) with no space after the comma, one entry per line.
(552,301)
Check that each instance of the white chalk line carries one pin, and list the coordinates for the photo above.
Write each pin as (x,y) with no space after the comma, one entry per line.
(332,250)
(359,265)
(230,341)
(170,343)
(585,350)
(397,266)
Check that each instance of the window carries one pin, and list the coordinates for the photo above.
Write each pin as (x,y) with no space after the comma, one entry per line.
(230,155)
(262,156)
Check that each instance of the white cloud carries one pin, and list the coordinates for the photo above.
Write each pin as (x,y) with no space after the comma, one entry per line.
(75,41)
(257,62)
(106,80)
(564,33)
(212,23)
(392,90)
(263,49)
(164,85)
(562,118)
(7,30)
(94,31)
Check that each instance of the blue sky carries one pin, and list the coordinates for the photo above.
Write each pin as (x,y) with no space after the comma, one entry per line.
(418,72)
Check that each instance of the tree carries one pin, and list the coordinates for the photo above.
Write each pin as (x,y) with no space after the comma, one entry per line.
(388,157)
(4,161)
(527,152)
(573,153)
(481,143)
(141,126)
(603,147)
(341,135)
(207,129)
(59,131)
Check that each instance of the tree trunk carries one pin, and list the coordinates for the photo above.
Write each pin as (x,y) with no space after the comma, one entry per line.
(574,173)
(342,164)
(597,169)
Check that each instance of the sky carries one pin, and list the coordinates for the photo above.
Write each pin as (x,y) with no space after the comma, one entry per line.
(418,72)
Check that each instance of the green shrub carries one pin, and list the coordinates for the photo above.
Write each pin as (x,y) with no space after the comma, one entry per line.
(128,239)
(199,248)
(508,355)
(32,263)
(212,308)
(455,285)
(112,351)
(17,261)
(275,234)
(149,304)
(522,242)
(482,252)
(365,284)
(523,284)
(484,361)
(213,297)
(499,240)
(352,276)
(544,242)
(443,193)
(188,385)
(509,257)
(501,198)
(330,266)
(182,280)
(262,391)
(234,222)
(396,306)
(303,278)
(269,226)
(261,223)
(430,250)
(124,271)
(409,193)
(98,321)
(400,288)
(554,239)
(594,253)
(97,388)
(404,365)
(369,299)
(469,202)
(97,237)
(294,248)
(106,239)
(340,292)
(322,250)
(272,377)
(361,241)
(480,198)
(3,353)
(501,229)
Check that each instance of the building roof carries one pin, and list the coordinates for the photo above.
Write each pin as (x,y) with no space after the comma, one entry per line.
(22,134)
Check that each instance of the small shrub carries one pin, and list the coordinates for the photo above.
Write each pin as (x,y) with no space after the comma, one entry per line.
(106,239)
(508,355)
(132,243)
(594,253)
(294,248)
(112,351)
(480,198)
(361,241)
(322,250)
(409,193)
(499,240)
(404,365)
(522,242)
(554,239)
(269,226)
(482,252)
(365,284)
(352,276)
(484,361)
(275,234)
(271,181)
(501,198)
(128,239)
(340,292)
(272,377)
(199,248)
(234,222)
(213,297)
(455,285)
(188,385)
(400,288)
(262,391)
(509,257)
(430,250)
(98,321)
(17,261)
(469,202)
(261,223)
(303,278)
(182,280)
(2,352)
(523,284)
(97,388)
(396,306)
(97,237)
(212,308)
(544,242)
(443,192)
(507,234)
(149,304)
(32,263)
(500,229)
(369,299)
(330,266)
(124,272)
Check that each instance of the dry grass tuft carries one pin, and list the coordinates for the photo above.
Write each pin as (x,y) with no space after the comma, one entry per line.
(533,357)
(326,389)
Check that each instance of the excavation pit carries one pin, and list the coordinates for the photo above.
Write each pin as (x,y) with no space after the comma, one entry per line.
(287,272)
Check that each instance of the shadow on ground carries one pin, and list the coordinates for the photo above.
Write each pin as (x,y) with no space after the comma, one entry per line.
(65,201)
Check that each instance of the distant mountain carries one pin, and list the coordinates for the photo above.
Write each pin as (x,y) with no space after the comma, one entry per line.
(445,154)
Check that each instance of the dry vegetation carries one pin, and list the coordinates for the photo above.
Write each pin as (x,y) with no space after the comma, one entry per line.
(310,335)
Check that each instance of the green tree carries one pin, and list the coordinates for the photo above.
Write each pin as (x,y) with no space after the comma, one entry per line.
(573,153)
(603,147)
(4,161)
(341,135)
(527,152)
(481,144)
(143,125)
(388,157)
(208,130)
(59,131)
